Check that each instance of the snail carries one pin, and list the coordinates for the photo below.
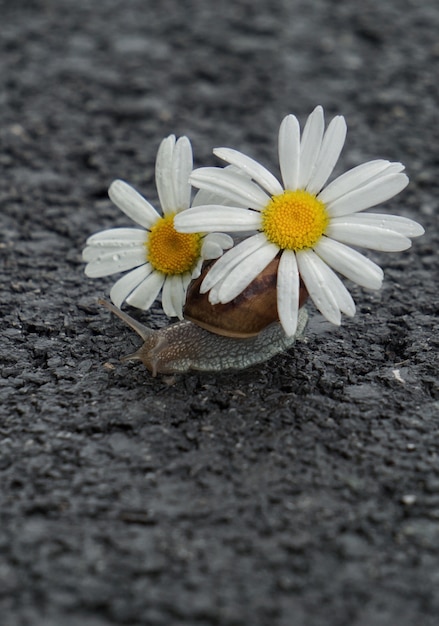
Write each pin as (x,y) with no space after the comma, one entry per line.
(244,332)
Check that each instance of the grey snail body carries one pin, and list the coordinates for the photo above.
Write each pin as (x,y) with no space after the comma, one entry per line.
(200,344)
(184,346)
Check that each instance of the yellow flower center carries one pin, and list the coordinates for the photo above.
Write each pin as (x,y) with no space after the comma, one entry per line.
(294,220)
(171,252)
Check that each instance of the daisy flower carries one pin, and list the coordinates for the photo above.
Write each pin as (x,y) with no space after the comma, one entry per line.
(163,258)
(309,225)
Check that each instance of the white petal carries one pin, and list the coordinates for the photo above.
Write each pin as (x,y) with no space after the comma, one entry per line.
(167,305)
(204,197)
(211,250)
(402,225)
(392,168)
(221,239)
(289,151)
(178,294)
(125,285)
(243,274)
(350,263)
(310,145)
(369,195)
(164,175)
(252,168)
(144,295)
(133,204)
(113,240)
(227,183)
(332,145)
(97,251)
(113,262)
(353,179)
(181,168)
(366,236)
(90,253)
(288,292)
(173,296)
(214,244)
(342,296)
(116,236)
(213,293)
(334,285)
(230,259)
(187,277)
(310,268)
(213,218)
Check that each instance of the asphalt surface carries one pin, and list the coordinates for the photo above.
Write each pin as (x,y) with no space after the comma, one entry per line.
(300,492)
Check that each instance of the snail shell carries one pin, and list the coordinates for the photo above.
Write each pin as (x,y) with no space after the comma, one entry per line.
(247,315)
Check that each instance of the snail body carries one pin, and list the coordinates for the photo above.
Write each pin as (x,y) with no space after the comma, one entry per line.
(184,346)
(217,337)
